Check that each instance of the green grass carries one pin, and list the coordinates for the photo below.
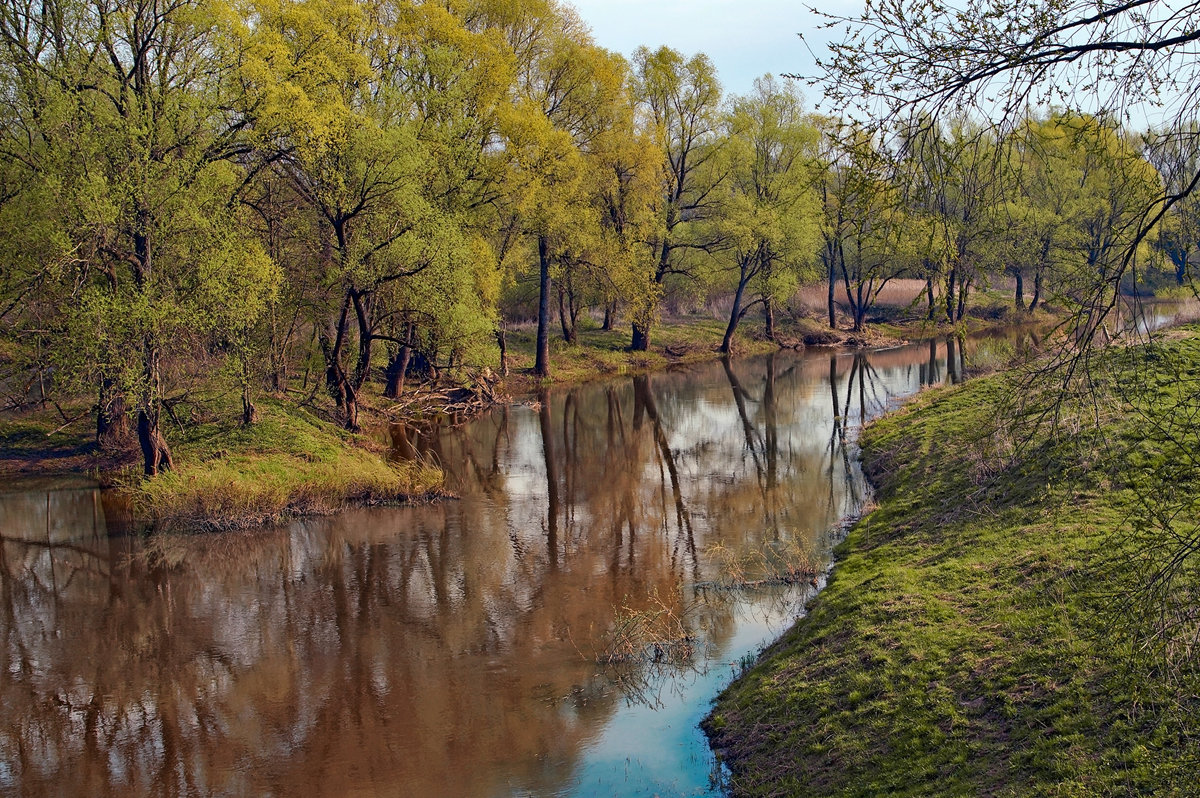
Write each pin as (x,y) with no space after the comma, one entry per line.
(37,436)
(986,631)
(603,353)
(288,463)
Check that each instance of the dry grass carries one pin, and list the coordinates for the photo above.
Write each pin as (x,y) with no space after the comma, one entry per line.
(901,293)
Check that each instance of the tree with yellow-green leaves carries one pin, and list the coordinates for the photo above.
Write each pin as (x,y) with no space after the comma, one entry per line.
(128,152)
(680,103)
(565,101)
(769,221)
(624,173)
(381,117)
(867,235)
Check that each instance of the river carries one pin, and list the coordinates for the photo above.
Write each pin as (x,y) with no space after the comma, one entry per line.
(500,644)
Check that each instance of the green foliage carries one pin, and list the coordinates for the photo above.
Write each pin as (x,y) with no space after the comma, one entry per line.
(768,224)
(251,190)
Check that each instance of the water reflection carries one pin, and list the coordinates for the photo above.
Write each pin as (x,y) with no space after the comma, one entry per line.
(448,649)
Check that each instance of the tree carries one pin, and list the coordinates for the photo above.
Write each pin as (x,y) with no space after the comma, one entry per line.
(565,93)
(681,100)
(136,129)
(381,116)
(1038,204)
(1120,61)
(769,222)
(951,176)
(868,238)
(1175,153)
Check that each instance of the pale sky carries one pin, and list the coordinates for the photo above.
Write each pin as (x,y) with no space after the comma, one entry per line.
(744,38)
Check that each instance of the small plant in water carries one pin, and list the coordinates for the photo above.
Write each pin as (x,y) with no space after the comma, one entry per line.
(656,633)
(779,563)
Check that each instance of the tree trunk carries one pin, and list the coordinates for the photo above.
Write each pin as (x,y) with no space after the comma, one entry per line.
(932,302)
(112,424)
(344,395)
(735,315)
(336,382)
(964,291)
(950,295)
(565,317)
(249,411)
(502,342)
(541,366)
(362,314)
(1037,289)
(398,366)
(641,337)
(858,305)
(769,317)
(610,311)
(1020,297)
(156,455)
(832,286)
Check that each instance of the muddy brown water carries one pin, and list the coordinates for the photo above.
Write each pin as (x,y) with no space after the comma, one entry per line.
(451,649)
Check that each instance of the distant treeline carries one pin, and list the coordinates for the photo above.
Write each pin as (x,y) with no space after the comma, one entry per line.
(200,190)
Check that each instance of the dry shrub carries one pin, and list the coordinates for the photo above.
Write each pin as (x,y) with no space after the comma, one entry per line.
(781,563)
(657,633)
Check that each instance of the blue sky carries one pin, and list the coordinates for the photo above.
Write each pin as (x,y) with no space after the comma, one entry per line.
(744,38)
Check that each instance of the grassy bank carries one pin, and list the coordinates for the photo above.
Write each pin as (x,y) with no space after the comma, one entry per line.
(998,625)
(600,353)
(288,463)
(228,476)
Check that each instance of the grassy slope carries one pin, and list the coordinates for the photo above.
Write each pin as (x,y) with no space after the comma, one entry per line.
(226,475)
(967,643)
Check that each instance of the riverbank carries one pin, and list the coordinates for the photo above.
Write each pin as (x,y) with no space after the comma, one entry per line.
(988,628)
(228,476)
(599,354)
(293,462)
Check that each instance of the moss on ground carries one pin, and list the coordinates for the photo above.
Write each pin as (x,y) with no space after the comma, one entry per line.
(988,628)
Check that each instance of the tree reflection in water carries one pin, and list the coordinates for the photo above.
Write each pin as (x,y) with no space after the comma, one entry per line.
(439,650)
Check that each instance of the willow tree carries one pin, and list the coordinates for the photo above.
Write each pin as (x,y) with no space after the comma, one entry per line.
(770,221)
(1175,153)
(952,176)
(624,173)
(680,99)
(868,237)
(1117,191)
(566,95)
(367,104)
(1120,61)
(140,129)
